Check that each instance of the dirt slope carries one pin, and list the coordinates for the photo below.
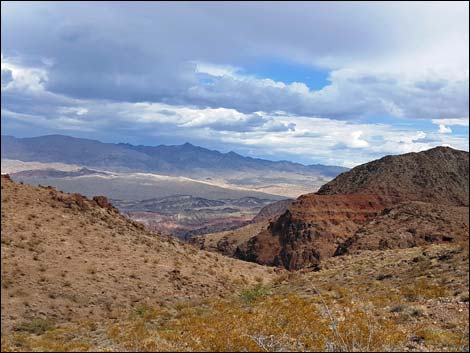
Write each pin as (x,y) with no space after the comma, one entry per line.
(66,257)
(397,300)
(439,175)
(407,225)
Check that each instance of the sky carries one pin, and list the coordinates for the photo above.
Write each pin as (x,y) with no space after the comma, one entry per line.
(338,83)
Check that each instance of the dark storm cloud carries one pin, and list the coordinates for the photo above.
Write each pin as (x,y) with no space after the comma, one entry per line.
(147,51)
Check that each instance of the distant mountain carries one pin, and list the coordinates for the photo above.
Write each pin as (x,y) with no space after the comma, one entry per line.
(52,173)
(171,160)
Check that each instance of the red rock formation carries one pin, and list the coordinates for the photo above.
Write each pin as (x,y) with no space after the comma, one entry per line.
(317,226)
(311,229)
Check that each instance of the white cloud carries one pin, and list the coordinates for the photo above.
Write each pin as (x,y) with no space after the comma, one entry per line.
(454,121)
(356,141)
(444,129)
(23,78)
(216,70)
(281,135)
(73,110)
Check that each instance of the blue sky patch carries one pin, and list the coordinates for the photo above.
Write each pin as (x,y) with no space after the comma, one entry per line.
(288,72)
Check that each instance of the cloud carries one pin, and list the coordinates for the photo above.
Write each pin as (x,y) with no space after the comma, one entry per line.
(145,54)
(444,129)
(73,110)
(169,73)
(216,70)
(275,136)
(7,76)
(445,123)
(356,141)
(20,78)
(454,121)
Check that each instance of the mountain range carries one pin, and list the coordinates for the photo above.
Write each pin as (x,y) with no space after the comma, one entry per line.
(169,160)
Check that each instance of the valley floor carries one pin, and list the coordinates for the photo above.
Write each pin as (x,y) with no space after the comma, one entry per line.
(413,299)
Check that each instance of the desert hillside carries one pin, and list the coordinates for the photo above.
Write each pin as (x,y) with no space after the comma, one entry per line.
(409,224)
(66,257)
(79,276)
(394,202)
(438,175)
(412,299)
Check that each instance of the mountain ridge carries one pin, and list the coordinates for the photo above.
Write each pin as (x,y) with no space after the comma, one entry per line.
(443,170)
(125,156)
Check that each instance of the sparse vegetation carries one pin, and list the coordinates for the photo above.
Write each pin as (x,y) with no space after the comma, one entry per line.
(271,322)
(159,295)
(249,295)
(37,326)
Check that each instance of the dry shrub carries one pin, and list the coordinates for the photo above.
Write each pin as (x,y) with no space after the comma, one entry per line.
(423,289)
(270,323)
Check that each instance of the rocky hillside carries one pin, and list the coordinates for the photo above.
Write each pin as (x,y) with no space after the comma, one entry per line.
(316,226)
(66,257)
(439,175)
(228,242)
(272,210)
(407,225)
(398,300)
(310,230)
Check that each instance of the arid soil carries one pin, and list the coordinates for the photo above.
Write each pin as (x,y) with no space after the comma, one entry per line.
(407,225)
(439,175)
(66,257)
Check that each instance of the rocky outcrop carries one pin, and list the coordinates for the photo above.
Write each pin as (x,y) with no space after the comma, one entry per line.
(396,201)
(310,230)
(103,202)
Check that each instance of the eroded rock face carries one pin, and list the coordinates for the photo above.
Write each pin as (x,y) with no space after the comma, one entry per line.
(311,229)
(367,207)
(272,210)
